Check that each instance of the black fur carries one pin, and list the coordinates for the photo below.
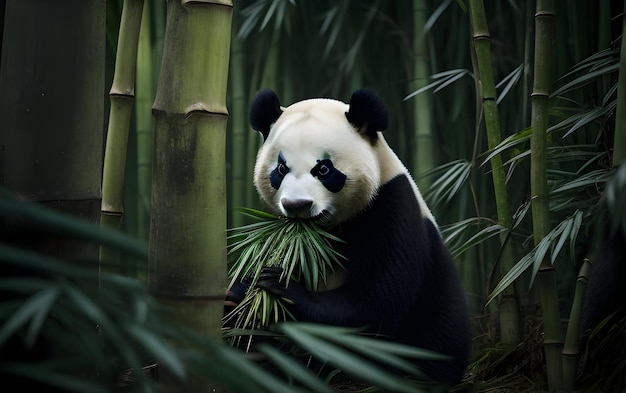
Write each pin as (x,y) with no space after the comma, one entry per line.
(264,111)
(368,109)
(401,283)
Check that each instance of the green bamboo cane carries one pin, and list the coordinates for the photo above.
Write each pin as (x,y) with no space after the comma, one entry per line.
(570,349)
(265,74)
(51,109)
(240,182)
(187,266)
(422,103)
(143,122)
(508,302)
(122,96)
(544,36)
(619,145)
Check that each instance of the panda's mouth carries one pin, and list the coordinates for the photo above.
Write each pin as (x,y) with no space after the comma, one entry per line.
(324,218)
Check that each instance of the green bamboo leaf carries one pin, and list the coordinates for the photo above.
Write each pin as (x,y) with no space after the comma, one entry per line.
(345,360)
(541,250)
(63,381)
(601,56)
(386,352)
(64,224)
(442,79)
(295,369)
(512,275)
(509,81)
(453,231)
(565,234)
(252,372)
(513,140)
(159,348)
(481,236)
(23,285)
(578,220)
(434,16)
(586,118)
(588,179)
(586,78)
(35,309)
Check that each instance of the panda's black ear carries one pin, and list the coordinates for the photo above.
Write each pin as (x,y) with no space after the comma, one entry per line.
(264,111)
(368,109)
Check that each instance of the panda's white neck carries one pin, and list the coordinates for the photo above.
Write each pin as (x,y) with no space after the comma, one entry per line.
(392,166)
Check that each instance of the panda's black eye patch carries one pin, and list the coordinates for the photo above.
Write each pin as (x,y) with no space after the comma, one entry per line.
(279,173)
(332,178)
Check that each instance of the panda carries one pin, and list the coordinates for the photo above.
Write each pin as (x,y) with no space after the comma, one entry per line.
(327,161)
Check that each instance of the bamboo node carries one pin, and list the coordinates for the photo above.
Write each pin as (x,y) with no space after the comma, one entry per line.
(481,36)
(545,14)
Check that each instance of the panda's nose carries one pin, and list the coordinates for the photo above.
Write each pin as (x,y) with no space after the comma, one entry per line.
(296,206)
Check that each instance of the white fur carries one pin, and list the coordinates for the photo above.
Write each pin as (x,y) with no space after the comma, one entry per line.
(304,133)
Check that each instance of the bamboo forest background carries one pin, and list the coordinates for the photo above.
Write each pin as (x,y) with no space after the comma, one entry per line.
(419,56)
(466,83)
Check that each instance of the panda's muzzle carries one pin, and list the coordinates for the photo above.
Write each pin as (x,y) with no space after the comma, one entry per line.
(298,207)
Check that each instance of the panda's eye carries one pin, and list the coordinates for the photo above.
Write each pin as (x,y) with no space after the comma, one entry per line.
(330,176)
(282,169)
(323,171)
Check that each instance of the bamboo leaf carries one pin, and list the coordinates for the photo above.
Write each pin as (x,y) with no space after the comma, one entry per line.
(346,360)
(295,369)
(511,79)
(508,142)
(160,349)
(441,80)
(512,275)
(36,308)
(585,79)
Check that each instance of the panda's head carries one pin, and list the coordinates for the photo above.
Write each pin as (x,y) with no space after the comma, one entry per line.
(319,159)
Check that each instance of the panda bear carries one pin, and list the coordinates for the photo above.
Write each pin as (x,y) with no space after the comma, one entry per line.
(327,161)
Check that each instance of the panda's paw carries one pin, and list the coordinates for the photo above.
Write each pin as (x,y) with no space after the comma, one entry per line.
(236,293)
(271,280)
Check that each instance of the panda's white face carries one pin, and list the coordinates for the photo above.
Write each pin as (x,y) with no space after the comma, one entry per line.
(314,164)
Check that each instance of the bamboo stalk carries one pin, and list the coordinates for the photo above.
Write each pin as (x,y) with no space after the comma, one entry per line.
(571,351)
(619,145)
(544,36)
(143,120)
(422,103)
(187,267)
(240,133)
(122,96)
(51,108)
(508,303)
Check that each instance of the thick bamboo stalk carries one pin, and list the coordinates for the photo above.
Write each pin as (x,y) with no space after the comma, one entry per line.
(51,109)
(570,349)
(187,266)
(510,323)
(122,96)
(544,36)
(619,145)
